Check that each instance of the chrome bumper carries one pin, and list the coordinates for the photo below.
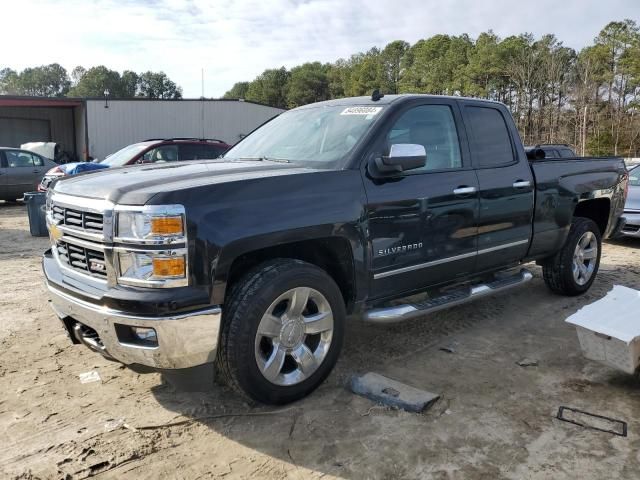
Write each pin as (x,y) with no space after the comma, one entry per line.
(631,227)
(184,340)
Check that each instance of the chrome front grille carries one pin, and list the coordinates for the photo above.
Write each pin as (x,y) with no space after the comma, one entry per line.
(77,219)
(84,259)
(81,232)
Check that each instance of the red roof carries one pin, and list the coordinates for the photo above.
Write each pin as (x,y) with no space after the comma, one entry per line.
(11,101)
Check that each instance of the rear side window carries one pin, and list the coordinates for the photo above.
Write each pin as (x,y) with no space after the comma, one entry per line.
(566,153)
(490,140)
(200,152)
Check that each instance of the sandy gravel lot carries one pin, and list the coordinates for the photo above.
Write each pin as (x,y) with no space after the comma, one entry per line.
(495,419)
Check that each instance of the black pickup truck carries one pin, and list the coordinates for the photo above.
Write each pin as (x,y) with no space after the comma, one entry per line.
(253,262)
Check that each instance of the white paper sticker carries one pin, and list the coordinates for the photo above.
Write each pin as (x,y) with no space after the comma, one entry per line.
(88,377)
(369,111)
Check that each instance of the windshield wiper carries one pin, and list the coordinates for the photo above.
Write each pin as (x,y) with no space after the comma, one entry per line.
(264,159)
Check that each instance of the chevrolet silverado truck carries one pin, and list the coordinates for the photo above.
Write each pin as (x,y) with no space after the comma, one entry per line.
(384,207)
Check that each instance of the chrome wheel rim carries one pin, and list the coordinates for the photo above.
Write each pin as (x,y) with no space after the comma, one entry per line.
(294,336)
(584,258)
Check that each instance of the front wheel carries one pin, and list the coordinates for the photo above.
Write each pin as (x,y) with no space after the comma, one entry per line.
(573,269)
(282,331)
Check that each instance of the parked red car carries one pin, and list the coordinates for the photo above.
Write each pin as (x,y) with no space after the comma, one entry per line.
(150,151)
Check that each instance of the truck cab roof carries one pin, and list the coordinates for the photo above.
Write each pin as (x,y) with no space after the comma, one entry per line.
(389,99)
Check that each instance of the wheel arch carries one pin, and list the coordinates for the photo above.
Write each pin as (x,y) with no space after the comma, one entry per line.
(333,254)
(596,209)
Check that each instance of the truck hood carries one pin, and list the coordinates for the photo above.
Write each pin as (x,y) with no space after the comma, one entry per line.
(136,185)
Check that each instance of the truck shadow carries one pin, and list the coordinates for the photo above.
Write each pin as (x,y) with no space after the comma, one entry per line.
(333,431)
(628,242)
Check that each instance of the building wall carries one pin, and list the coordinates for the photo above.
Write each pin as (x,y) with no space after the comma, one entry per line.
(19,124)
(130,121)
(81,132)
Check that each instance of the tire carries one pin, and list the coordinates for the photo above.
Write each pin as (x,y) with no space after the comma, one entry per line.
(297,344)
(559,271)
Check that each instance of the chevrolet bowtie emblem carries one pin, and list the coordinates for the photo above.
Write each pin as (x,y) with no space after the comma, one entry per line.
(55,232)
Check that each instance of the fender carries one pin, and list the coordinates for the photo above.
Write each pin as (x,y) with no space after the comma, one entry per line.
(350,233)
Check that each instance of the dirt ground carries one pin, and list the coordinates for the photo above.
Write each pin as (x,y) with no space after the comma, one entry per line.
(495,419)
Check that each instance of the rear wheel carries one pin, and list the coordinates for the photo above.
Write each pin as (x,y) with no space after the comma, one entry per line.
(573,269)
(282,331)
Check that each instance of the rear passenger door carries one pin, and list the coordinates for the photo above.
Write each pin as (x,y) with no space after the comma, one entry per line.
(506,185)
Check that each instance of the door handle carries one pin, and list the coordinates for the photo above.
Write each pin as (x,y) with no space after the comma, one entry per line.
(463,190)
(521,184)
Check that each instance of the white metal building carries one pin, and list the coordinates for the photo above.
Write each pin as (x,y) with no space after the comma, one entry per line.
(98,127)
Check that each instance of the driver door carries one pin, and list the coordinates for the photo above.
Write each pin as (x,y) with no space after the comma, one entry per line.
(422,224)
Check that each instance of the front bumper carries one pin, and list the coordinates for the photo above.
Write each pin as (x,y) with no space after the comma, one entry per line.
(184,339)
(631,226)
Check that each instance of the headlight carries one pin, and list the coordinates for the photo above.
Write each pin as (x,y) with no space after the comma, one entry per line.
(148,263)
(152,224)
(156,269)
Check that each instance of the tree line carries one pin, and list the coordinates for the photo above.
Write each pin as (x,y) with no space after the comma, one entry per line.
(54,81)
(589,98)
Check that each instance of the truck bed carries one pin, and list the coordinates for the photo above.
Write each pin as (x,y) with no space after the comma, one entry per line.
(561,184)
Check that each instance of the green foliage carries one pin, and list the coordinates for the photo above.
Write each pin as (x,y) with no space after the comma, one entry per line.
(96,81)
(54,81)
(157,85)
(270,88)
(589,99)
(239,90)
(308,83)
(43,81)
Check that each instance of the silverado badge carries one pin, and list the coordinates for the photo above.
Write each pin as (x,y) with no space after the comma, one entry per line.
(383,252)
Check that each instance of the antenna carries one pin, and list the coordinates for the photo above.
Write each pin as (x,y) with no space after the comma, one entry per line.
(202,79)
(202,104)
(376,95)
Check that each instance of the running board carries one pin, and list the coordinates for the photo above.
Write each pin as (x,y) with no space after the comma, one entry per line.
(399,313)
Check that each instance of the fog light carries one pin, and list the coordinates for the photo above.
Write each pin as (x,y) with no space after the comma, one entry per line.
(145,336)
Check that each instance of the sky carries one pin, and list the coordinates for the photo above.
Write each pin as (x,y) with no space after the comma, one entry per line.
(235,40)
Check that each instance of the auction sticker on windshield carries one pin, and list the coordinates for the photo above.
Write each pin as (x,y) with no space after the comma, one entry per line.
(361,111)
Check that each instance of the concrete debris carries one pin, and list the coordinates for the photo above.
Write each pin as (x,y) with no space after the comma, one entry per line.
(527,362)
(391,392)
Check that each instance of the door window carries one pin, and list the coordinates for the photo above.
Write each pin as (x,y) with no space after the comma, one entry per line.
(161,154)
(433,127)
(490,140)
(17,159)
(200,152)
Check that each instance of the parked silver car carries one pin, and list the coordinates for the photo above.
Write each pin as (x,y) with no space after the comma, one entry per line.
(632,206)
(20,172)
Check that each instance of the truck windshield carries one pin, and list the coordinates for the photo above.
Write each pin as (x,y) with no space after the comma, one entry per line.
(124,155)
(321,136)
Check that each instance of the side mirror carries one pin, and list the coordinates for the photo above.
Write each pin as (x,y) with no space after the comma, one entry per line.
(402,156)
